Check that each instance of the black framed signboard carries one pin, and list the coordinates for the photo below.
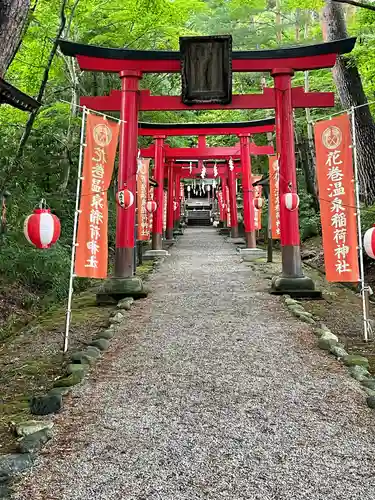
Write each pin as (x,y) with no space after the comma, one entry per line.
(206,69)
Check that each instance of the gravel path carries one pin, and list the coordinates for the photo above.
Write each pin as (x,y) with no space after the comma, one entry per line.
(211,391)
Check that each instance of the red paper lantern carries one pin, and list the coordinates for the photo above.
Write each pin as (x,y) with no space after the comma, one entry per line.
(151,206)
(42,229)
(369,242)
(291,201)
(258,203)
(124,198)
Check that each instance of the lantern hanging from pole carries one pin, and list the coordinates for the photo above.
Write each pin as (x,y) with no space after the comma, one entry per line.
(258,203)
(41,228)
(124,198)
(151,206)
(369,242)
(291,201)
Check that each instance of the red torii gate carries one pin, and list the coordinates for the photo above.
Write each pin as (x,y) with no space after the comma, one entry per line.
(280,63)
(208,153)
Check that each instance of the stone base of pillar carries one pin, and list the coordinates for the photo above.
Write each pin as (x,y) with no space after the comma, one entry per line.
(157,241)
(234,232)
(292,281)
(252,254)
(236,241)
(169,233)
(155,254)
(115,289)
(250,239)
(299,286)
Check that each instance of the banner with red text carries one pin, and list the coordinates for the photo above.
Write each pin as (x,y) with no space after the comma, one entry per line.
(274,199)
(98,162)
(165,200)
(227,207)
(257,193)
(143,230)
(334,167)
(221,205)
(151,215)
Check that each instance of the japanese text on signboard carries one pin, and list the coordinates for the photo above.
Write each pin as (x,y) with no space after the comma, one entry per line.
(337,199)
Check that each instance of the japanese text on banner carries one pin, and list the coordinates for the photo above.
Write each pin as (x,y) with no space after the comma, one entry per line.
(165,198)
(98,163)
(334,168)
(151,216)
(257,193)
(143,230)
(274,196)
(227,207)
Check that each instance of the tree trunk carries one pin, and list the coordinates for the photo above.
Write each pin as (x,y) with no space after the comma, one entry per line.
(13,17)
(351,93)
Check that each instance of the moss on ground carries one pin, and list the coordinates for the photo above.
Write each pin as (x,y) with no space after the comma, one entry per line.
(31,358)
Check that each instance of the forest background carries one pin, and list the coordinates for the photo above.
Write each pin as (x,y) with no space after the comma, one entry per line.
(39,153)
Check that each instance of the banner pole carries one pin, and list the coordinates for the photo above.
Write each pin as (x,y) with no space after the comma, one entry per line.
(74,240)
(358,213)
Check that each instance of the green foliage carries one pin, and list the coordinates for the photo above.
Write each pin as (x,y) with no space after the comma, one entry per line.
(48,167)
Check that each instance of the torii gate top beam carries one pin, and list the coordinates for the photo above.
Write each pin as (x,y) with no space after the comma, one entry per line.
(303,57)
(206,153)
(264,100)
(181,129)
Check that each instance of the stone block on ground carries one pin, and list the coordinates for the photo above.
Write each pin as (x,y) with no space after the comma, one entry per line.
(358,372)
(290,302)
(101,344)
(117,318)
(72,379)
(306,319)
(93,352)
(355,359)
(44,405)
(369,383)
(23,429)
(297,308)
(370,400)
(82,357)
(125,303)
(338,351)
(14,463)
(326,343)
(119,288)
(105,334)
(76,367)
(34,442)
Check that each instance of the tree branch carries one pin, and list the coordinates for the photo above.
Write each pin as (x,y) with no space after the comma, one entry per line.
(357,4)
(33,115)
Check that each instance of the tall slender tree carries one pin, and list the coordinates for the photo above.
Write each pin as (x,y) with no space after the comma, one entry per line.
(351,93)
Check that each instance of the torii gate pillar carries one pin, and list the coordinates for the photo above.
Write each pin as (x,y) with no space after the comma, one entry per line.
(247,190)
(170,204)
(233,202)
(127,173)
(292,278)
